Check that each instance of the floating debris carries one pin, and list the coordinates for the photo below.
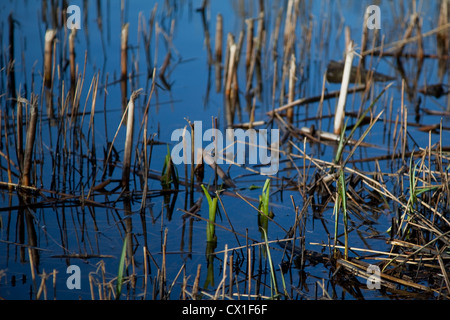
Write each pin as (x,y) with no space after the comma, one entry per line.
(335,71)
(435,90)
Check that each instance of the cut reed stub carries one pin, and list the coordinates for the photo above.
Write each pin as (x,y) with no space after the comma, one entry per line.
(48,56)
(218,49)
(11,69)
(231,70)
(19,146)
(248,54)
(129,140)
(340,109)
(123,63)
(72,58)
(291,93)
(219,37)
(443,40)
(31,134)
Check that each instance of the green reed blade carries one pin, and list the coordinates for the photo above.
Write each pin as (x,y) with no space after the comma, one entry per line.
(121,269)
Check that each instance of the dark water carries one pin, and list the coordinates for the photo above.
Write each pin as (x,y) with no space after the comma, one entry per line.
(52,233)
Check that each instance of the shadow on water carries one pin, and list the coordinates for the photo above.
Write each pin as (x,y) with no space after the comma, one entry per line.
(358,207)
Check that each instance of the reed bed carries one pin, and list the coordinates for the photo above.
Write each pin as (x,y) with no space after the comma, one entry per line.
(337,181)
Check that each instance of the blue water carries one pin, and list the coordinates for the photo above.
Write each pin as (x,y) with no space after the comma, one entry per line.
(100,231)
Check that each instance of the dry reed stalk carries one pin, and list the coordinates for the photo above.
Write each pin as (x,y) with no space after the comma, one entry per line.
(404,119)
(276,34)
(147,158)
(224,271)
(340,109)
(144,248)
(256,56)
(288,46)
(33,272)
(8,160)
(184,286)
(123,63)
(129,140)
(54,284)
(230,285)
(288,24)
(260,37)
(443,41)
(31,134)
(388,49)
(77,92)
(91,286)
(230,71)
(196,281)
(275,37)
(413,21)
(11,63)
(162,278)
(248,54)
(19,143)
(291,93)
(249,273)
(348,37)
(50,36)
(42,286)
(239,46)
(443,270)
(365,32)
(218,49)
(94,100)
(420,51)
(72,58)
(224,276)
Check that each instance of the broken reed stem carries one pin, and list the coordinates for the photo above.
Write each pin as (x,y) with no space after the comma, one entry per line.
(144,248)
(32,266)
(8,160)
(408,33)
(31,134)
(19,142)
(291,93)
(218,49)
(48,57)
(129,140)
(11,63)
(72,58)
(162,279)
(248,54)
(230,72)
(443,42)
(364,39)
(260,33)
(340,109)
(196,281)
(123,63)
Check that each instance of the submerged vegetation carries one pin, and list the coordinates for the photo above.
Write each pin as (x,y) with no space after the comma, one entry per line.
(87,177)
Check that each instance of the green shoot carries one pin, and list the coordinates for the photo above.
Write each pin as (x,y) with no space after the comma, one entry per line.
(342,143)
(264,198)
(264,213)
(169,172)
(210,227)
(273,282)
(343,203)
(121,268)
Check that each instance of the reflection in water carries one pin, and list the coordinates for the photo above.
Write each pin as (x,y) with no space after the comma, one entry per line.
(70,205)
